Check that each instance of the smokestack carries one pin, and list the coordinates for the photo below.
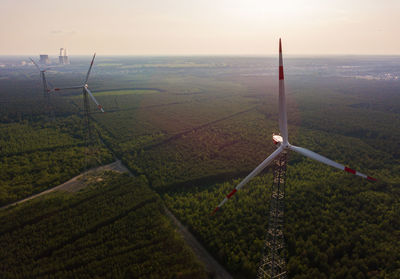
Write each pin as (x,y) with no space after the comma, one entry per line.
(44,59)
(66,59)
(61,57)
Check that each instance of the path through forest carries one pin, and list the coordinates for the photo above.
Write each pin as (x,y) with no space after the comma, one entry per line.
(74,184)
(78,182)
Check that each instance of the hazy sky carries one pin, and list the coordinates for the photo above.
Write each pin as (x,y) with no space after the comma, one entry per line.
(184,27)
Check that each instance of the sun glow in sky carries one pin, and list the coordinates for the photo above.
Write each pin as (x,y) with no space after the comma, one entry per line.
(206,27)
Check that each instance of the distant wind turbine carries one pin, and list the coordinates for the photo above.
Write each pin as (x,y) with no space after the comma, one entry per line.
(86,106)
(46,89)
(85,88)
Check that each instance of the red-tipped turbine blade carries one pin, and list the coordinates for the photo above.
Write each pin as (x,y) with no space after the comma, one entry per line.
(256,171)
(215,210)
(94,99)
(329,162)
(66,88)
(282,99)
(281,76)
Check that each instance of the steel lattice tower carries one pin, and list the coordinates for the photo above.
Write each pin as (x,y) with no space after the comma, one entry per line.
(273,263)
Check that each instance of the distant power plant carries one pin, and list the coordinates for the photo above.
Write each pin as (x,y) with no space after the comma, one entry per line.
(44,59)
(63,58)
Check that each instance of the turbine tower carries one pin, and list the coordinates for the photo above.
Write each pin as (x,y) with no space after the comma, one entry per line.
(273,264)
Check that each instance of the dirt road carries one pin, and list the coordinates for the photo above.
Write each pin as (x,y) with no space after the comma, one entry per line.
(216,270)
(211,265)
(74,184)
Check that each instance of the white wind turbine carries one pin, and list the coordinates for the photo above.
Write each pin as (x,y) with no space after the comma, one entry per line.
(84,87)
(46,89)
(283,143)
(86,106)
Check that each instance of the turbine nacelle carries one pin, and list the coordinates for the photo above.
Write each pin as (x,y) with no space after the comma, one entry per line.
(277,139)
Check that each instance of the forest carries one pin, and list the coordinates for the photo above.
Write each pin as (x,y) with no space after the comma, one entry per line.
(190,134)
(38,154)
(115,228)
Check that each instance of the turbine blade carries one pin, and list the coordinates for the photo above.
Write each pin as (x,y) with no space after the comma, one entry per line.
(66,88)
(282,99)
(34,63)
(94,99)
(256,171)
(329,162)
(90,68)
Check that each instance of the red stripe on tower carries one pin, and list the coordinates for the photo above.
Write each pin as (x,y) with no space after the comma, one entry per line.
(349,170)
(231,193)
(280,46)
(99,106)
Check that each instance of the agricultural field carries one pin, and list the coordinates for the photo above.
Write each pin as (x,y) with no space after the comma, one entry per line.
(195,126)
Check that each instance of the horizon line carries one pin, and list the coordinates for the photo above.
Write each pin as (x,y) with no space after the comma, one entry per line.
(205,55)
